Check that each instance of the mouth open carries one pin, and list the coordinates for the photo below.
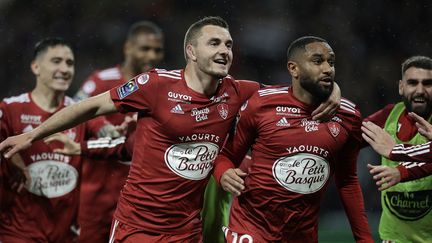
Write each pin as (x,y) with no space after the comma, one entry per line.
(221,61)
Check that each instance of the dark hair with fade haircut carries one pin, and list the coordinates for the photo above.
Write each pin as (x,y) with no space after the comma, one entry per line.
(43,45)
(195,29)
(422,62)
(144,27)
(300,44)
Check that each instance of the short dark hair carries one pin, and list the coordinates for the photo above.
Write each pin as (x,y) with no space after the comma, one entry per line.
(300,43)
(43,45)
(195,29)
(144,27)
(422,62)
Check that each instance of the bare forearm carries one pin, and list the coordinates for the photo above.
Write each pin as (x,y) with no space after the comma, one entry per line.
(75,114)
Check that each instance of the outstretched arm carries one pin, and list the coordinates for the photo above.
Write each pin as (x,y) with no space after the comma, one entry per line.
(66,118)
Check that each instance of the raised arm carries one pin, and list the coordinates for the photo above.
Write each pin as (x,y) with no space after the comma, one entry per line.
(66,118)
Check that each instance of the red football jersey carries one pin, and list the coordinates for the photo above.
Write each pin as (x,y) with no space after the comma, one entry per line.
(179,134)
(47,210)
(102,179)
(293,159)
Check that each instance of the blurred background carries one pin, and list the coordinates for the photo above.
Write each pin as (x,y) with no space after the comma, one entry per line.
(370,38)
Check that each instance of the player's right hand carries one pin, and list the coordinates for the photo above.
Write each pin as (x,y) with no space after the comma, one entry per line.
(231,181)
(14,144)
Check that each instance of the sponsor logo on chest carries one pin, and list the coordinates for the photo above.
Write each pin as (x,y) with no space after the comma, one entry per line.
(288,111)
(178,97)
(200,114)
(309,126)
(52,179)
(302,173)
(31,119)
(192,161)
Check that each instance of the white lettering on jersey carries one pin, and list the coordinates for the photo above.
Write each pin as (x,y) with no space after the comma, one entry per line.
(200,114)
(287,111)
(52,178)
(178,97)
(310,126)
(301,173)
(30,119)
(192,161)
(309,149)
(200,137)
(50,156)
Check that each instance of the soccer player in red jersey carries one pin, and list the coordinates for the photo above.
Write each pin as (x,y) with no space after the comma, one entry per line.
(102,180)
(47,210)
(183,119)
(293,157)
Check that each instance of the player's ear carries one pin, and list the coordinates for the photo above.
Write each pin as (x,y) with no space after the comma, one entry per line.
(190,52)
(401,87)
(293,69)
(35,67)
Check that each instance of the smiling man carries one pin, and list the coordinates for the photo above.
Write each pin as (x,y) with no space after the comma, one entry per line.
(406,215)
(46,211)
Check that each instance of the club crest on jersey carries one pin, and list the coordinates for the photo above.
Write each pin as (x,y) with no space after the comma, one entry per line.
(334,128)
(127,89)
(143,79)
(223,110)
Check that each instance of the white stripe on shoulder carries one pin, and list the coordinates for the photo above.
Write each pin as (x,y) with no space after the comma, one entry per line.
(348,103)
(172,72)
(169,76)
(109,74)
(22,98)
(347,108)
(265,92)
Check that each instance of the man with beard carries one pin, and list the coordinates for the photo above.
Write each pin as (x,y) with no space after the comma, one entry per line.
(406,215)
(293,156)
(103,179)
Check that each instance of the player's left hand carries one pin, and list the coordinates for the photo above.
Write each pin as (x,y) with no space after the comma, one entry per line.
(384,176)
(326,110)
(379,139)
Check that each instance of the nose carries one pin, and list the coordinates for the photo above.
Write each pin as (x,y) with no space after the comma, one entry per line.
(66,68)
(327,68)
(420,89)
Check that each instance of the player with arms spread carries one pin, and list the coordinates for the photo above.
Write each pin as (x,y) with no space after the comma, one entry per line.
(183,119)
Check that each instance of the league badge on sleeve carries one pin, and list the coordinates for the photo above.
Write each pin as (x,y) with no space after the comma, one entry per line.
(127,88)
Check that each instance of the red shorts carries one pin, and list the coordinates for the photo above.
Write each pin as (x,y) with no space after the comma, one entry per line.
(123,233)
